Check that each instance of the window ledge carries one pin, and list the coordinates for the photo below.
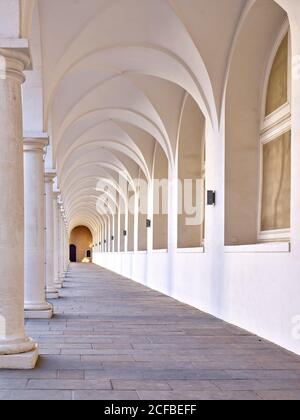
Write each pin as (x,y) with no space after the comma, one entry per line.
(190,250)
(273,247)
(159,251)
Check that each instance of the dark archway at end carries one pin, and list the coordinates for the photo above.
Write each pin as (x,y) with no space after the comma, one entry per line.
(81,237)
(73,254)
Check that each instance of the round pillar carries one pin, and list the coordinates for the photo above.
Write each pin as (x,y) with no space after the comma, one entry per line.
(51,291)
(36,306)
(16,350)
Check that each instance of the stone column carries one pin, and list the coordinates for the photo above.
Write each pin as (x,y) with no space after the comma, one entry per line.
(61,231)
(59,280)
(67,250)
(36,306)
(57,283)
(16,350)
(62,244)
(51,291)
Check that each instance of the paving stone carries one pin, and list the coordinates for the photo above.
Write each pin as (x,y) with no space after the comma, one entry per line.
(106,395)
(263,374)
(12,384)
(280,395)
(198,395)
(188,385)
(70,384)
(71,374)
(45,352)
(258,385)
(28,374)
(36,395)
(100,352)
(107,358)
(140,385)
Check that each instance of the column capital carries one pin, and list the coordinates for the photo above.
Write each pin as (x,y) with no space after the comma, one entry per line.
(35,143)
(14,59)
(56,194)
(50,175)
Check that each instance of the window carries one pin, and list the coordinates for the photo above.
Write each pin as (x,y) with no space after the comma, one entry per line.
(275,202)
(277,93)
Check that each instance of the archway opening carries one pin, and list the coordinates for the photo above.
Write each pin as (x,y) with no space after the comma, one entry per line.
(73,253)
(81,238)
(191,176)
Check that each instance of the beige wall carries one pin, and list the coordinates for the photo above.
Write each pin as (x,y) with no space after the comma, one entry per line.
(122,237)
(276,192)
(244,106)
(191,166)
(131,226)
(82,238)
(115,243)
(142,239)
(160,220)
(278,82)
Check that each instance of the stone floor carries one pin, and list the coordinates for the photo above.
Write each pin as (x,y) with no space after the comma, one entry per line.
(114,339)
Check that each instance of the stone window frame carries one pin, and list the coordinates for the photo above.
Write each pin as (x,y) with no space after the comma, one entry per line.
(272,127)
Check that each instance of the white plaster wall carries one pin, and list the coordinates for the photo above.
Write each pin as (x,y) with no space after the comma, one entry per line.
(248,291)
(9,19)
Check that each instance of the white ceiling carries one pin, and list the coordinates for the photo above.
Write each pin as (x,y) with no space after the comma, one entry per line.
(109,81)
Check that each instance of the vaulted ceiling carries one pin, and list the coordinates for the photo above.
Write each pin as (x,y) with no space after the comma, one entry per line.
(110,78)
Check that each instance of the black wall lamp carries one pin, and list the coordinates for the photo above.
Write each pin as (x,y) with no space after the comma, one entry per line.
(112,238)
(148,223)
(105,241)
(211,198)
(125,233)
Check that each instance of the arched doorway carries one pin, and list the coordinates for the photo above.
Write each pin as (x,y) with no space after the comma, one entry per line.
(81,238)
(73,254)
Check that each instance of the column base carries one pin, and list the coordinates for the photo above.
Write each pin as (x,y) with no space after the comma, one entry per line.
(23,361)
(58,286)
(43,311)
(46,314)
(52,295)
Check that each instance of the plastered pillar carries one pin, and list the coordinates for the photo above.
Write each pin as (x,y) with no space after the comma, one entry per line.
(36,306)
(16,350)
(51,291)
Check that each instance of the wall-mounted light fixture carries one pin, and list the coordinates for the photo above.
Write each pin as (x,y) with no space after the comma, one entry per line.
(125,233)
(105,241)
(148,223)
(112,238)
(211,198)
